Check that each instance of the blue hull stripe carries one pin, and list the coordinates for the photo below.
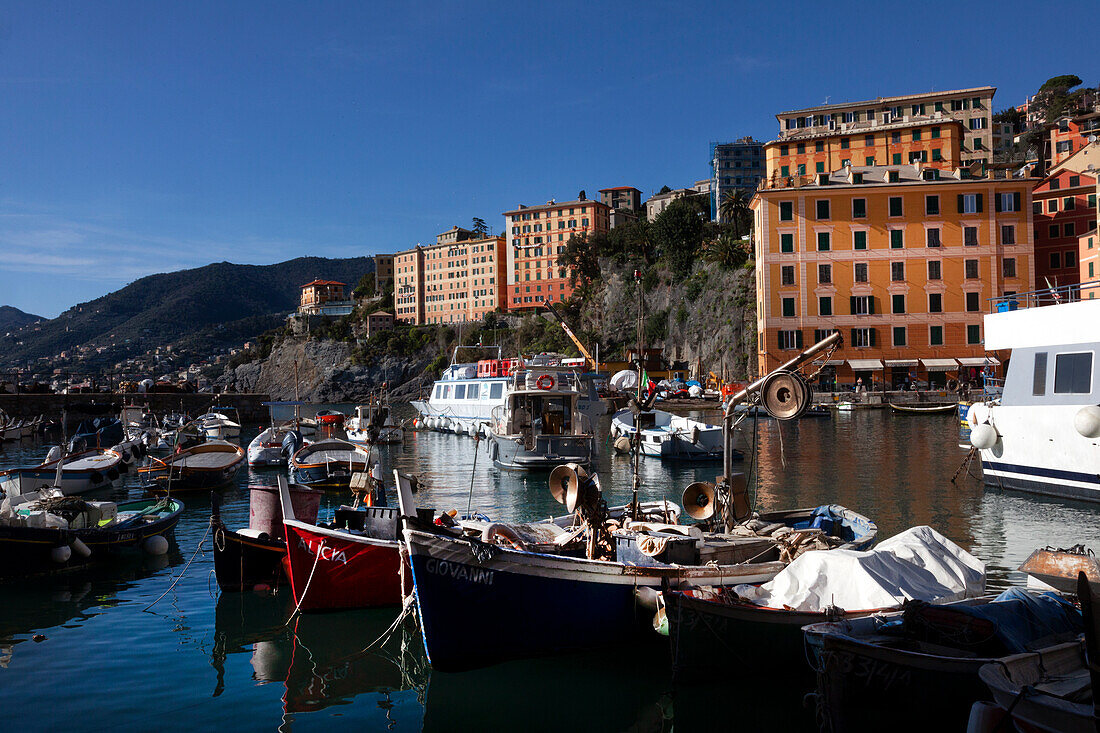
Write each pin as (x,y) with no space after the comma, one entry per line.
(1052,473)
(474,616)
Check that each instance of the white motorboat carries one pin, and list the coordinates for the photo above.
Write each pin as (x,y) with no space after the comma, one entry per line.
(670,436)
(540,426)
(80,472)
(462,400)
(269,447)
(218,425)
(373,424)
(1042,435)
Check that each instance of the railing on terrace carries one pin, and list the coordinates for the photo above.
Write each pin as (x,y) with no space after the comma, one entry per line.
(1046,296)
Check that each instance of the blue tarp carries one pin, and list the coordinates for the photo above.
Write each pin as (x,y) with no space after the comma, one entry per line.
(1022,618)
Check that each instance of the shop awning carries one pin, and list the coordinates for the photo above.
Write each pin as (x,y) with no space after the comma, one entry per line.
(830,362)
(940,365)
(863,365)
(979,360)
(901,362)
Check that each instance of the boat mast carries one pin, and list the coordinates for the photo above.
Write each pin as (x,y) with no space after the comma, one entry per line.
(636,456)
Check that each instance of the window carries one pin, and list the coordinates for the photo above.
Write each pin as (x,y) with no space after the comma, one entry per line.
(857,178)
(895,206)
(1069,230)
(932,205)
(973,334)
(1073,373)
(973,304)
(899,335)
(935,271)
(937,155)
(895,137)
(788,307)
(822,209)
(786,242)
(935,335)
(819,146)
(819,167)
(1074,181)
(897,303)
(824,306)
(863,337)
(790,339)
(932,237)
(1008,202)
(1092,201)
(1008,234)
(786,211)
(869,160)
(472,392)
(859,208)
(820,334)
(1052,231)
(785,171)
(1055,185)
(1070,258)
(1039,375)
(862,305)
(935,131)
(970,268)
(977,123)
(859,240)
(786,275)
(970,236)
(970,203)
(897,239)
(897,272)
(869,141)
(1069,203)
(935,303)
(785,149)
(824,274)
(896,160)
(916,135)
(822,241)
(1052,206)
(861,272)
(1055,260)
(844,143)
(801,148)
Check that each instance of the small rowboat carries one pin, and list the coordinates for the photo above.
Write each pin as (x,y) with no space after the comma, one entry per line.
(328,463)
(81,472)
(205,466)
(925,409)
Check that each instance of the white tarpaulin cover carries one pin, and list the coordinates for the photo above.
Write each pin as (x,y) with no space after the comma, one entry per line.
(624,380)
(918,563)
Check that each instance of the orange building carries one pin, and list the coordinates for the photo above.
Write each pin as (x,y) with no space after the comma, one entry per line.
(320,293)
(453,281)
(1069,135)
(1064,206)
(536,237)
(1088,254)
(901,259)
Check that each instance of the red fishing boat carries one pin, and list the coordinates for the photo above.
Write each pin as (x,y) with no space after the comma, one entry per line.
(354,563)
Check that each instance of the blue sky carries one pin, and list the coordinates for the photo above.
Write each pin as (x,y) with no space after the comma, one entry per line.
(148,137)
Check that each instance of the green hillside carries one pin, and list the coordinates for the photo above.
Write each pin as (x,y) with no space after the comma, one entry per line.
(12,318)
(221,304)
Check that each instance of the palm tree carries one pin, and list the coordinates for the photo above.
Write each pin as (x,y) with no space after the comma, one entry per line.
(734,208)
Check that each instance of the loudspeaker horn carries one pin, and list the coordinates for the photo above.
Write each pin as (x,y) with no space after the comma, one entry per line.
(564,479)
(699,500)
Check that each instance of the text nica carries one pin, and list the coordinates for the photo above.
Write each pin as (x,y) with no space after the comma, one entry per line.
(324,553)
(459,572)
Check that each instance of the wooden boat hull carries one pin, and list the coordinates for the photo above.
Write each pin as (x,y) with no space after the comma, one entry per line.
(243,563)
(172,474)
(926,410)
(713,639)
(327,476)
(481,604)
(331,569)
(27,551)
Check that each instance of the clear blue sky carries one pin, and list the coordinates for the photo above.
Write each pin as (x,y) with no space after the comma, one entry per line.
(147,137)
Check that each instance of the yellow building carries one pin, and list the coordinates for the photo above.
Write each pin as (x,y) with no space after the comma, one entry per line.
(901,259)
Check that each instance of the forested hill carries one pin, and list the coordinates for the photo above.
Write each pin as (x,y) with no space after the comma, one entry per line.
(202,308)
(12,318)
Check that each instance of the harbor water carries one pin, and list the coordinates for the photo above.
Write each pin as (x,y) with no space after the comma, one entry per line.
(83,651)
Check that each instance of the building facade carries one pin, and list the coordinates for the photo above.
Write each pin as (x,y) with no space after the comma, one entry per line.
(536,237)
(1088,246)
(1064,205)
(324,297)
(734,166)
(658,202)
(452,281)
(901,259)
(624,202)
(883,129)
(383,272)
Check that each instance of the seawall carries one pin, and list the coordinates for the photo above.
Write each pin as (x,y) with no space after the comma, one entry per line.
(77,407)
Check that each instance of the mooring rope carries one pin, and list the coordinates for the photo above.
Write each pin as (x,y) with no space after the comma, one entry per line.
(302,598)
(182,572)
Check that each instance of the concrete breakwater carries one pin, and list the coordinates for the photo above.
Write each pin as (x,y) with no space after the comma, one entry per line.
(79,407)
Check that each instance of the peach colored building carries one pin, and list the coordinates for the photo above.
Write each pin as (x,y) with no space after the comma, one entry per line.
(1088,255)
(536,236)
(320,293)
(1064,206)
(452,281)
(901,259)
(1069,135)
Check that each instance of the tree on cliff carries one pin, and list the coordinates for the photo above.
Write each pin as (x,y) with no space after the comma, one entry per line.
(678,233)
(581,257)
(734,210)
(480,228)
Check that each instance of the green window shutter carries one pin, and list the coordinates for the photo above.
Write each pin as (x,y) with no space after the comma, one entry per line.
(852,307)
(859,240)
(897,158)
(996,202)
(853,334)
(960,200)
(869,160)
(786,243)
(1092,201)
(871,305)
(785,171)
(979,203)
(897,239)
(822,241)
(1016,201)
(872,336)
(820,167)
(798,339)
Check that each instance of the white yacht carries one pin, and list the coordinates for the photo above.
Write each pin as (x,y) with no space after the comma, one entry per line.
(670,436)
(373,424)
(463,398)
(539,426)
(1043,434)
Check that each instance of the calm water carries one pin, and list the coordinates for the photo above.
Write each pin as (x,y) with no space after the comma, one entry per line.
(199,659)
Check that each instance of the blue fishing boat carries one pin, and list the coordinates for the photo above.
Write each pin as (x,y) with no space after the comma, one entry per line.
(328,463)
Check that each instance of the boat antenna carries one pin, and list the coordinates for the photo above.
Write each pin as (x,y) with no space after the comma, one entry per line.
(297,400)
(61,458)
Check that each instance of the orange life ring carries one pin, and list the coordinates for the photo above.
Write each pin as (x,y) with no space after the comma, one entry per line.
(545,382)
